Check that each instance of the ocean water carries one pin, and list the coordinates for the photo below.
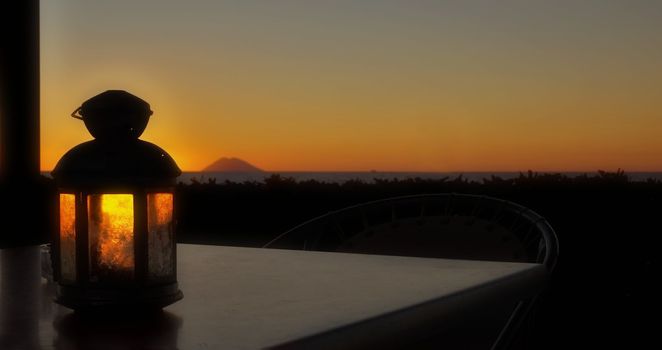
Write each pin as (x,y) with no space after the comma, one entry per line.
(340,177)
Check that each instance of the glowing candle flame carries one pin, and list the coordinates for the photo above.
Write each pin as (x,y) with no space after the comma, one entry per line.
(111,231)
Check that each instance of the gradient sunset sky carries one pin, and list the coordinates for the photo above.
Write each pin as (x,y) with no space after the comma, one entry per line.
(367,84)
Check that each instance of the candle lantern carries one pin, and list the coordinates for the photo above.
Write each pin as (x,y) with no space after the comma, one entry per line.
(115,246)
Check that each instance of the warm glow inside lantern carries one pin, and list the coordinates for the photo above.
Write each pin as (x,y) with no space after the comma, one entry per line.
(116,241)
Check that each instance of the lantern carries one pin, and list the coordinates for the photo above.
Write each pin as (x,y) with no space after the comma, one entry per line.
(115,243)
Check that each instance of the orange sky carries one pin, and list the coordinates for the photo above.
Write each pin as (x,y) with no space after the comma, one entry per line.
(408,86)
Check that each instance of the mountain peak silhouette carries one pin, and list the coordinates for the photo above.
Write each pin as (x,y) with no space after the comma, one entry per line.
(232,164)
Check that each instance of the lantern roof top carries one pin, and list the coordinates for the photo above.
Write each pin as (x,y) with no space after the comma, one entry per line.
(99,163)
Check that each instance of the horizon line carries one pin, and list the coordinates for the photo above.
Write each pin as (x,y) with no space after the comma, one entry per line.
(416,171)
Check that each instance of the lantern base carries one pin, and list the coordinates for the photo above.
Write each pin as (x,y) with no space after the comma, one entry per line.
(112,299)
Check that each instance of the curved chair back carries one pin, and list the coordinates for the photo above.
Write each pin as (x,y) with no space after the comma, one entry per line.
(450,225)
(459,226)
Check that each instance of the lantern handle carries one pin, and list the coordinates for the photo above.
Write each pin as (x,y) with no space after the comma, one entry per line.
(75,114)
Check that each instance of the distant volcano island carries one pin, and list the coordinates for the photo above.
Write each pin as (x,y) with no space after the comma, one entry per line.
(232,165)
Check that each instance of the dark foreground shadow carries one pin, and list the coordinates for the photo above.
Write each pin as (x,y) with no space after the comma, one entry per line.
(146,330)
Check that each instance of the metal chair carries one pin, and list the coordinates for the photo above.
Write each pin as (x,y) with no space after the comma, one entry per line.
(458,226)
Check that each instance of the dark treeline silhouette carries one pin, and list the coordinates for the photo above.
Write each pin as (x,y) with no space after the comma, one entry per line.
(609,230)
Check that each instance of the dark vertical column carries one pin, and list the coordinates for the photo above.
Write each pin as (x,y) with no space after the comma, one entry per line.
(19,90)
(23,216)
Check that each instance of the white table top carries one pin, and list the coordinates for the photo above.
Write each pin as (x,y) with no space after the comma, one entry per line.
(251,298)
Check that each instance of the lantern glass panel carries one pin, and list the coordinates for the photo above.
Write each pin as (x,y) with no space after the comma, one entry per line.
(111,225)
(68,237)
(160,235)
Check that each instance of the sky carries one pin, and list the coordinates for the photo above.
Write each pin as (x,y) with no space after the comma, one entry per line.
(367,84)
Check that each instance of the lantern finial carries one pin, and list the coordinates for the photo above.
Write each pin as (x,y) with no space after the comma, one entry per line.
(114,115)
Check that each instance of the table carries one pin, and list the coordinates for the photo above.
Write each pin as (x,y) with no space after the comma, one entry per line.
(252,298)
